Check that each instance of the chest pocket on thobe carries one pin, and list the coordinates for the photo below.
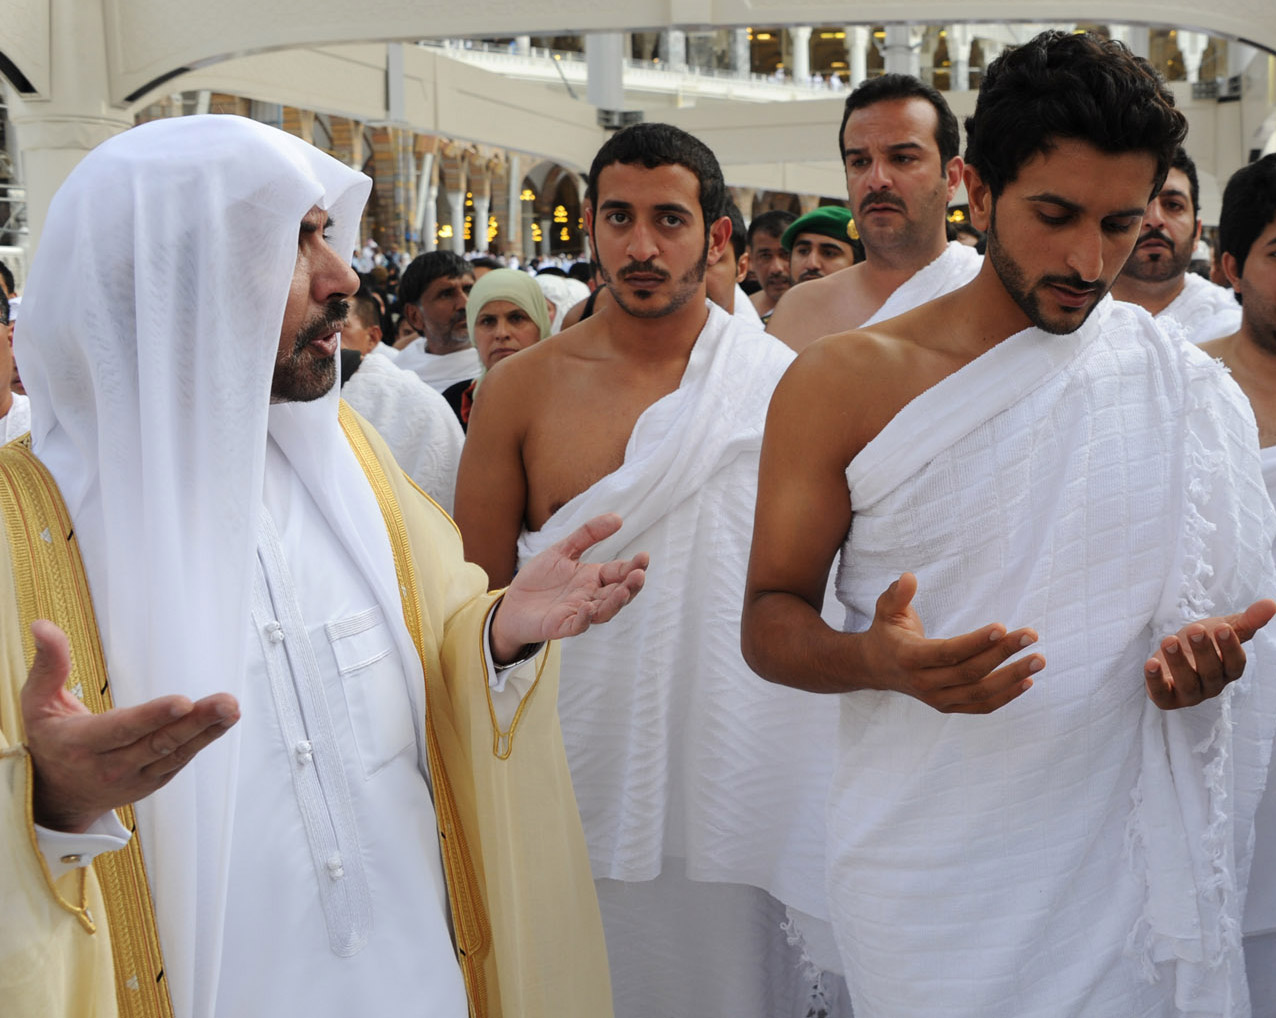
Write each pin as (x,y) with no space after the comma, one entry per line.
(372,678)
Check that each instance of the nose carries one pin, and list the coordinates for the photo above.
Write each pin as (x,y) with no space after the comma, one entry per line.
(878,177)
(335,278)
(1152,217)
(1086,256)
(641,246)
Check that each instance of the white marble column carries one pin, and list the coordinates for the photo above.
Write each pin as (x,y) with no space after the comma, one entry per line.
(547,234)
(1135,37)
(1238,57)
(902,50)
(800,53)
(741,52)
(55,130)
(673,49)
(1192,45)
(512,242)
(858,40)
(604,69)
(523,44)
(959,39)
(427,209)
(456,210)
(482,204)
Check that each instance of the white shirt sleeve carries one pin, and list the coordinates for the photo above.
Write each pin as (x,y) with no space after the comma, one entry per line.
(510,684)
(64,851)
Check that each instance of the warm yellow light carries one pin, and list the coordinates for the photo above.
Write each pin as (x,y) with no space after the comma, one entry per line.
(764,36)
(838,63)
(527,195)
(445,231)
(564,235)
(560,213)
(956,216)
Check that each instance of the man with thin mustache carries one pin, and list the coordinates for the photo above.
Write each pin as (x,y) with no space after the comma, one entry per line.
(1156,276)
(898,141)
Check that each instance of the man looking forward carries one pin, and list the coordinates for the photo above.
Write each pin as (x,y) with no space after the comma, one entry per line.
(1024,463)
(1156,277)
(701,789)
(898,140)
(768,260)
(432,296)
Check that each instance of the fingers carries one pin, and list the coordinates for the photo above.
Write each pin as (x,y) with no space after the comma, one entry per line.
(588,534)
(896,598)
(616,571)
(173,747)
(1252,619)
(50,667)
(1195,665)
(995,690)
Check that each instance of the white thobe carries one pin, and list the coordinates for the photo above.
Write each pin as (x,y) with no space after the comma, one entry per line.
(439,370)
(1204,310)
(17,421)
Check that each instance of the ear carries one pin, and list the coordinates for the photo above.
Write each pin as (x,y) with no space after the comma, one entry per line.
(1231,269)
(374,338)
(1196,236)
(742,267)
(953,174)
(979,195)
(415,318)
(719,238)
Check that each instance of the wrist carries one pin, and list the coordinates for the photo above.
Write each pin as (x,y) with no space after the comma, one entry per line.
(507,648)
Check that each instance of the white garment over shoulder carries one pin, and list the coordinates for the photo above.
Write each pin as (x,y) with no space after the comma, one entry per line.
(439,370)
(1078,852)
(745,310)
(17,422)
(956,266)
(414,419)
(1205,310)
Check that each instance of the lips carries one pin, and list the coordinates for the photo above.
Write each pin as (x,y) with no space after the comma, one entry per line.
(325,344)
(1070,298)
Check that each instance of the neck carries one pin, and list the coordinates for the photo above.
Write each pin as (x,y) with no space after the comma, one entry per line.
(654,340)
(6,402)
(445,345)
(1152,297)
(886,271)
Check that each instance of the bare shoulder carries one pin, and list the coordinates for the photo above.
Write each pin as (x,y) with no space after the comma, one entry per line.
(818,307)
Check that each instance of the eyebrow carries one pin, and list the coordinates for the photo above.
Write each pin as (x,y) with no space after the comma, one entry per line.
(1171,192)
(1071,206)
(310,226)
(900,146)
(616,203)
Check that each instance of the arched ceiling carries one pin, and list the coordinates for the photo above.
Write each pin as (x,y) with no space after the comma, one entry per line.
(148,41)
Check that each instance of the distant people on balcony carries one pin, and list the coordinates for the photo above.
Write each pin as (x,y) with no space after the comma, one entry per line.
(1156,276)
(899,145)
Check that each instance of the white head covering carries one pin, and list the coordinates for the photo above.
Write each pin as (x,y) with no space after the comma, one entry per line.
(565,292)
(150,329)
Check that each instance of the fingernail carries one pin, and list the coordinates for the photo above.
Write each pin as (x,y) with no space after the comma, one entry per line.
(1154,666)
(1225,634)
(1197,637)
(1027,685)
(1037,665)
(1172,648)
(1025,640)
(995,635)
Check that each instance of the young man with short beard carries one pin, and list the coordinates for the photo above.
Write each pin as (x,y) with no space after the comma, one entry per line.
(1155,276)
(1047,511)
(701,788)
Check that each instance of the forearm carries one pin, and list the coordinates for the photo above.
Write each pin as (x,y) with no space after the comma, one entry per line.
(784,639)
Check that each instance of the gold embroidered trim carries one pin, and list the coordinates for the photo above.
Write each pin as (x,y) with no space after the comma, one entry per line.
(471,927)
(51,584)
(503,742)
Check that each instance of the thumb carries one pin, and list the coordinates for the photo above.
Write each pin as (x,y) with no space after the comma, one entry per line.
(896,598)
(52,663)
(1252,619)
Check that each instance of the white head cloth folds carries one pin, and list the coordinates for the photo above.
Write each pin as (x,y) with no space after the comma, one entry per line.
(151,325)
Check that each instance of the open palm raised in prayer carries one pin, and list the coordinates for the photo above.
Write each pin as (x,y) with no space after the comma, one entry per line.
(1199,660)
(556,595)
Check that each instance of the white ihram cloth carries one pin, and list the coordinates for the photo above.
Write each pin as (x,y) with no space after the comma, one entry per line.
(415,421)
(1055,857)
(439,370)
(745,311)
(1260,905)
(957,266)
(159,449)
(1205,310)
(677,750)
(17,422)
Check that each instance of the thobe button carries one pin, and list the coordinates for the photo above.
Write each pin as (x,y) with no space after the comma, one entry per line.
(71,860)
(335,870)
(305,752)
(275,632)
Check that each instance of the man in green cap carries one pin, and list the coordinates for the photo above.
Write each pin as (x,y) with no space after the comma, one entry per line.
(821,242)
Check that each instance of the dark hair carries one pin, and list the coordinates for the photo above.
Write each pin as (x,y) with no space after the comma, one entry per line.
(485,262)
(739,235)
(1060,85)
(552,270)
(364,307)
(1249,206)
(1187,166)
(904,86)
(653,145)
(425,269)
(4,320)
(771,223)
(582,272)
(7,278)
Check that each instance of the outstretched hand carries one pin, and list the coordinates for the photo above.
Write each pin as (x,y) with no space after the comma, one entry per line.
(1198,661)
(85,763)
(959,675)
(556,595)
